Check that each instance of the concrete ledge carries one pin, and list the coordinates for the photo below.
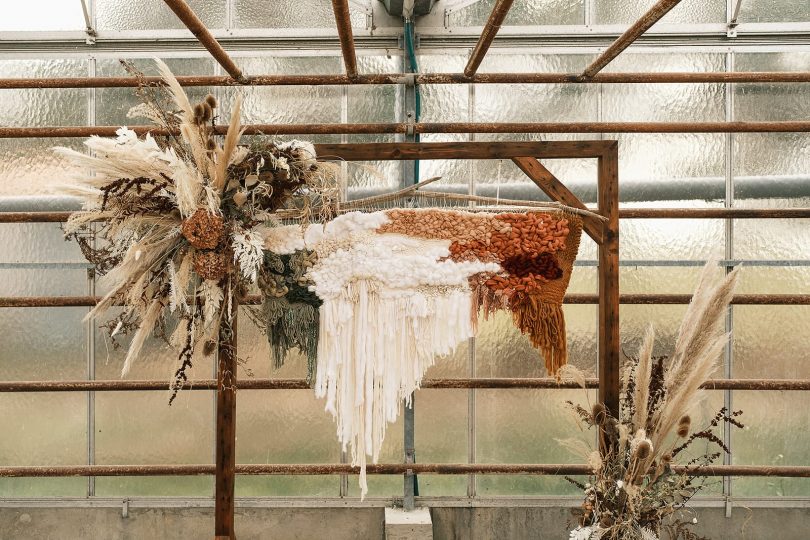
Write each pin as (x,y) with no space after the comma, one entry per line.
(413,525)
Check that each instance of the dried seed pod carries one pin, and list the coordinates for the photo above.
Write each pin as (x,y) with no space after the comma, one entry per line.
(211,100)
(211,145)
(240,198)
(199,113)
(643,450)
(599,412)
(683,426)
(208,113)
(209,347)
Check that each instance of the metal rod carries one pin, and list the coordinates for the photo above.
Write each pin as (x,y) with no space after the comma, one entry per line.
(493,24)
(558,469)
(624,213)
(344,28)
(638,299)
(424,78)
(425,127)
(301,384)
(206,39)
(655,13)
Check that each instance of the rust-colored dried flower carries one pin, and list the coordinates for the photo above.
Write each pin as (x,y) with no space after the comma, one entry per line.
(210,264)
(203,230)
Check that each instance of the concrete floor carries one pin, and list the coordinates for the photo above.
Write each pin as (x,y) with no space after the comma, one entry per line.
(361,523)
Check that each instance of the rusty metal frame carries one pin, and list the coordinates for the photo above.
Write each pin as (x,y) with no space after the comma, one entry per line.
(490,30)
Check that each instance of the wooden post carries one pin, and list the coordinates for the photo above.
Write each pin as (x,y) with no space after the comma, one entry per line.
(226,423)
(609,346)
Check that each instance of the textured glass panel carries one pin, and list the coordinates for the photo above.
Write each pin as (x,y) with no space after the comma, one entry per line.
(291,14)
(659,279)
(670,239)
(757,331)
(29,166)
(154,14)
(520,426)
(776,434)
(281,426)
(37,243)
(502,351)
(47,428)
(393,451)
(523,13)
(780,157)
(42,15)
(289,104)
(441,437)
(629,11)
(774,280)
(112,104)
(374,104)
(141,427)
(456,364)
(774,11)
(635,319)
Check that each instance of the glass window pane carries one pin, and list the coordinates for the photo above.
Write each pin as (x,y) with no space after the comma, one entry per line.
(441,437)
(154,14)
(29,166)
(291,14)
(774,11)
(525,13)
(688,11)
(43,15)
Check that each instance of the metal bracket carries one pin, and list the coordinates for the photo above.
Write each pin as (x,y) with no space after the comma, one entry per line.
(729,507)
(410,125)
(125,508)
(731,31)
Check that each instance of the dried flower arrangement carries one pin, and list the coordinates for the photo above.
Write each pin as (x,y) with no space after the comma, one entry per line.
(180,218)
(633,488)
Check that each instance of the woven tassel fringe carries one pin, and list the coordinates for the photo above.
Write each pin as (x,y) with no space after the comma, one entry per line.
(544,323)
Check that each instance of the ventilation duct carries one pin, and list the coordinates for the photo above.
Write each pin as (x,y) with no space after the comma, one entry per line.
(408,8)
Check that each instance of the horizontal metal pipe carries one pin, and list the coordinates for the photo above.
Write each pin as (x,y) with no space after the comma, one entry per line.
(558,469)
(301,384)
(425,127)
(425,78)
(647,299)
(624,213)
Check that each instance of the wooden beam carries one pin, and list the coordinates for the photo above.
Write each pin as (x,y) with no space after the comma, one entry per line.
(423,78)
(609,346)
(493,24)
(344,28)
(461,150)
(557,191)
(225,462)
(206,39)
(661,8)
(794,126)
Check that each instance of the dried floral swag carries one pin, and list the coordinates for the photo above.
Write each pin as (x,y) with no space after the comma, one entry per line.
(633,491)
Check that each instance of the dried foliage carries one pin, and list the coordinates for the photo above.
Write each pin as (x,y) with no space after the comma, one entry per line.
(178,219)
(633,488)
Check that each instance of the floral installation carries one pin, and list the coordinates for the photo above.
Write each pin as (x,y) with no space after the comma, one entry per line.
(179,220)
(186,221)
(647,468)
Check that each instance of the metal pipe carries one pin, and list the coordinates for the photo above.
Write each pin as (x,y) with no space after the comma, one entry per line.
(424,78)
(655,13)
(493,24)
(344,28)
(637,299)
(557,469)
(625,213)
(428,127)
(547,383)
(206,39)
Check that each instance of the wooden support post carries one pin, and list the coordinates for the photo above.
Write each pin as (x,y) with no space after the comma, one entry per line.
(609,345)
(225,465)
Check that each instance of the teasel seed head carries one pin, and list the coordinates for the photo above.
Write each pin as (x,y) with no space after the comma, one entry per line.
(643,450)
(210,145)
(208,112)
(199,113)
(209,347)
(666,459)
(211,100)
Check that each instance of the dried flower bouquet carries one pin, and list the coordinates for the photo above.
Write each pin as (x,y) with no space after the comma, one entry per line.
(633,488)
